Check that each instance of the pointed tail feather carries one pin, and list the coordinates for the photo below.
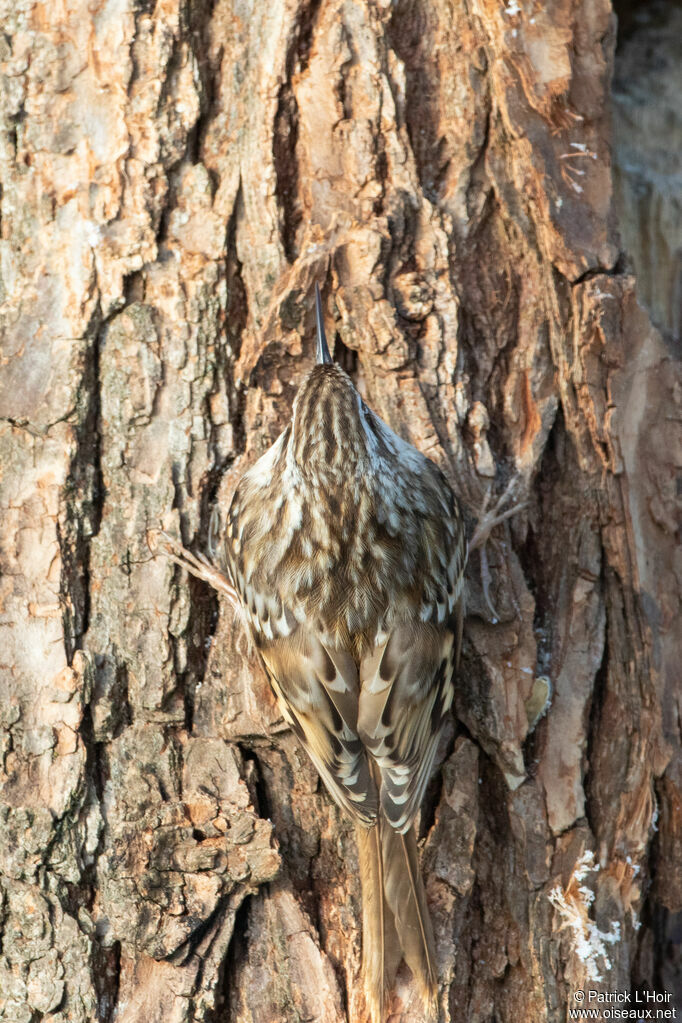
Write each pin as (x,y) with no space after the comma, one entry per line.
(373,920)
(395,917)
(406,904)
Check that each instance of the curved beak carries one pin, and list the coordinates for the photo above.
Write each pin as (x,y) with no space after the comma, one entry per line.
(322,347)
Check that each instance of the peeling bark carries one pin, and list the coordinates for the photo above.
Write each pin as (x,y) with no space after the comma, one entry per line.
(175,177)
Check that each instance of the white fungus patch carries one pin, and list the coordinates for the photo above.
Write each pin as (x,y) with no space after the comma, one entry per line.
(573,906)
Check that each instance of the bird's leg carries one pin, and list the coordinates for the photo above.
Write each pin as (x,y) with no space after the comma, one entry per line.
(486,580)
(198,565)
(487,520)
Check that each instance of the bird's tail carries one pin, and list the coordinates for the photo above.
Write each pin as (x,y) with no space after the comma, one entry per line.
(395,917)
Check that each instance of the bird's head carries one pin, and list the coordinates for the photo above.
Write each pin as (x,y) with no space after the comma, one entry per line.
(330,430)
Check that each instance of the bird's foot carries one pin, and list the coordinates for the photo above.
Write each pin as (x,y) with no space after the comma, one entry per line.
(197,565)
(488,518)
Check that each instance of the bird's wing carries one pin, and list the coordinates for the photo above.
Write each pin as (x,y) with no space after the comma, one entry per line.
(317,689)
(407,688)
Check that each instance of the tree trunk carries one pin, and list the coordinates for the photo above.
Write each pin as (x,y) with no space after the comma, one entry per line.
(176,176)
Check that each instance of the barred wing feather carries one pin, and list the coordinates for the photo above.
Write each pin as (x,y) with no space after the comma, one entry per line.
(317,690)
(406,692)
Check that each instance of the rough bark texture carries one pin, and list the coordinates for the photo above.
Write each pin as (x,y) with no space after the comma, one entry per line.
(175,177)
(647,128)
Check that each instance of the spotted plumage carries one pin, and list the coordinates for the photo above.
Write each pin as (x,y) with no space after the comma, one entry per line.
(347,549)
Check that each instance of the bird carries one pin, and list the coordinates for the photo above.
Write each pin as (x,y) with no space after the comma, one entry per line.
(345,549)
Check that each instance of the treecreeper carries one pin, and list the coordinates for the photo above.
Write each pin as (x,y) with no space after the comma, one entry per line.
(345,549)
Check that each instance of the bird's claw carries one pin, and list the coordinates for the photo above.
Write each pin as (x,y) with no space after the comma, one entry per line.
(197,565)
(487,520)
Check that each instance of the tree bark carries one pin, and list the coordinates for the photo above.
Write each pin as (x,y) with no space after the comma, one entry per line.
(176,176)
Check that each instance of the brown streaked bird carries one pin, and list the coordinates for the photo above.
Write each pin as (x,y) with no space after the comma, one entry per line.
(347,549)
